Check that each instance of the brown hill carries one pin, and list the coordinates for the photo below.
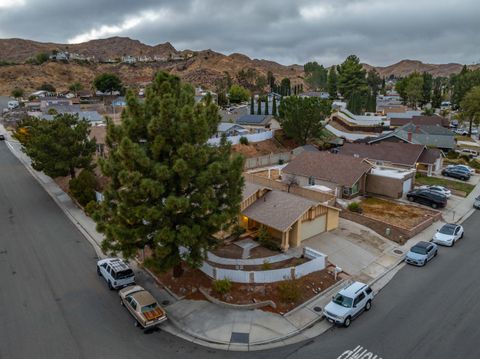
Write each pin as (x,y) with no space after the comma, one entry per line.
(406,67)
(19,50)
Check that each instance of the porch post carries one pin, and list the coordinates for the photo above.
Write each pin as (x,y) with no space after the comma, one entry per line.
(285,239)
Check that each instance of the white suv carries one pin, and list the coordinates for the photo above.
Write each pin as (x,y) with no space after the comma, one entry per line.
(116,272)
(349,303)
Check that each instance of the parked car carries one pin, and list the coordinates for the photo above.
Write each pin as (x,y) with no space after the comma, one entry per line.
(467,152)
(13,104)
(476,204)
(142,306)
(116,273)
(457,173)
(463,168)
(461,131)
(440,189)
(421,253)
(427,197)
(349,303)
(448,235)
(2,137)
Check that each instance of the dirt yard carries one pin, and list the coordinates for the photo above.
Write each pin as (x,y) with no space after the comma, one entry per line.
(233,251)
(259,148)
(192,279)
(395,213)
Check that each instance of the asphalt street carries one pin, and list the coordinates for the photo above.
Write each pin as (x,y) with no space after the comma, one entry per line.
(53,305)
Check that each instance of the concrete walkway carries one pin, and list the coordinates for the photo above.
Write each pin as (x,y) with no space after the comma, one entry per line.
(360,252)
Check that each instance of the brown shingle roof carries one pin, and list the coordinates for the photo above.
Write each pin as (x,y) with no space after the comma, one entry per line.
(339,169)
(249,189)
(395,152)
(278,210)
(420,120)
(429,156)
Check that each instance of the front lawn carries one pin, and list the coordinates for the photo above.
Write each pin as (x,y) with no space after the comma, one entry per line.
(453,185)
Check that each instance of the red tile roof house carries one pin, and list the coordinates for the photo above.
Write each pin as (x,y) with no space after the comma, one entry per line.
(346,175)
(397,154)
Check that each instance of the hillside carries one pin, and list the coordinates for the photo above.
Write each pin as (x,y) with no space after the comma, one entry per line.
(203,68)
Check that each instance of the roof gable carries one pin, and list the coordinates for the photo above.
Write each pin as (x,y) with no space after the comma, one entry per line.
(334,168)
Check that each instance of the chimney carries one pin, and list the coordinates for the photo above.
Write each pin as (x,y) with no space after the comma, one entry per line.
(409,136)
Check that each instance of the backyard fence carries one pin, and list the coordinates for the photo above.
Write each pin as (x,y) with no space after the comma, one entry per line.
(268,160)
(266,276)
(235,140)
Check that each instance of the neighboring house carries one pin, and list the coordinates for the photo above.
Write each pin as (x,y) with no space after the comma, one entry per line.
(396,154)
(420,121)
(200,94)
(93,117)
(345,175)
(119,102)
(258,123)
(288,218)
(305,148)
(129,59)
(99,133)
(431,136)
(320,94)
(230,129)
(406,114)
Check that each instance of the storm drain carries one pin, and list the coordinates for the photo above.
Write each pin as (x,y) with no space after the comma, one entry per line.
(242,338)
(397,251)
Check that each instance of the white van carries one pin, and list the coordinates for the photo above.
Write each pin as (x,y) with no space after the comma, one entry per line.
(13,104)
(467,152)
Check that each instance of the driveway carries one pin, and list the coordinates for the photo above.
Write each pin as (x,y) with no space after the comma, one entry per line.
(356,249)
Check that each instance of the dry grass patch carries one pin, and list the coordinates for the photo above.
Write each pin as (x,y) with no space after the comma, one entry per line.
(394,213)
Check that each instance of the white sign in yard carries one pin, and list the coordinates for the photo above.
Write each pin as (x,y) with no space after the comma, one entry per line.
(358,353)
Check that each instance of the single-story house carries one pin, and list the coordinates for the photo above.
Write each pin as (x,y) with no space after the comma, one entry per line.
(345,175)
(119,102)
(320,94)
(230,129)
(258,123)
(93,117)
(288,218)
(431,136)
(396,154)
(420,121)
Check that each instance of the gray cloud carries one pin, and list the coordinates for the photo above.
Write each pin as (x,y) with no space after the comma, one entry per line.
(379,32)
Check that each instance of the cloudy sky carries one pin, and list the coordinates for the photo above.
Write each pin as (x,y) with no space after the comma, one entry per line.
(380,32)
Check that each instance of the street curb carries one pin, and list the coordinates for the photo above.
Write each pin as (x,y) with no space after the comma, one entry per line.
(80,228)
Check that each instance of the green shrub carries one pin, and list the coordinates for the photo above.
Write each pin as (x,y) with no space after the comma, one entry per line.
(91,207)
(281,162)
(243,140)
(222,286)
(83,187)
(266,241)
(289,291)
(355,207)
(452,155)
(237,231)
(474,164)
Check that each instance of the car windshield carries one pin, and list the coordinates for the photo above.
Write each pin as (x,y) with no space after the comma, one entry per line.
(419,250)
(124,274)
(149,308)
(447,230)
(343,301)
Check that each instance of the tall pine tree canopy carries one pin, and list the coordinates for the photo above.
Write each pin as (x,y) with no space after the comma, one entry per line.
(352,78)
(302,117)
(168,188)
(60,146)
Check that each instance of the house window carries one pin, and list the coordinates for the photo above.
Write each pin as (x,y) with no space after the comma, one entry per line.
(311,181)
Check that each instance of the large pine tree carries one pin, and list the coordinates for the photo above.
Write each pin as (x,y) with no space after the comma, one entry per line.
(168,188)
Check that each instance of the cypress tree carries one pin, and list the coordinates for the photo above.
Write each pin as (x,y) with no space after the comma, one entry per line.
(274,106)
(252,106)
(168,188)
(266,105)
(259,106)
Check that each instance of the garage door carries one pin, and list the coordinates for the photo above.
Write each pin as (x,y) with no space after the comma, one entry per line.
(407,185)
(314,227)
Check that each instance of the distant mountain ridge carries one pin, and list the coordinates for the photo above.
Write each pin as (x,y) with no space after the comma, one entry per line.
(204,67)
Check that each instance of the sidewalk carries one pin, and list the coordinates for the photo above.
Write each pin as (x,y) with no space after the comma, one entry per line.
(364,255)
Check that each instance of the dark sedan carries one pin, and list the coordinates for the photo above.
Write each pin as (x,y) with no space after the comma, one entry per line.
(456,173)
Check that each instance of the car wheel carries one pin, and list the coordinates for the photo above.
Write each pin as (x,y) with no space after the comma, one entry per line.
(436,252)
(98,271)
(110,286)
(410,199)
(136,323)
(453,243)
(434,205)
(424,262)
(121,303)
(347,322)
(461,236)
(368,306)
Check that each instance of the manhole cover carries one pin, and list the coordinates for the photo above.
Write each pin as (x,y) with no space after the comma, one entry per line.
(166,302)
(397,251)
(317,309)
